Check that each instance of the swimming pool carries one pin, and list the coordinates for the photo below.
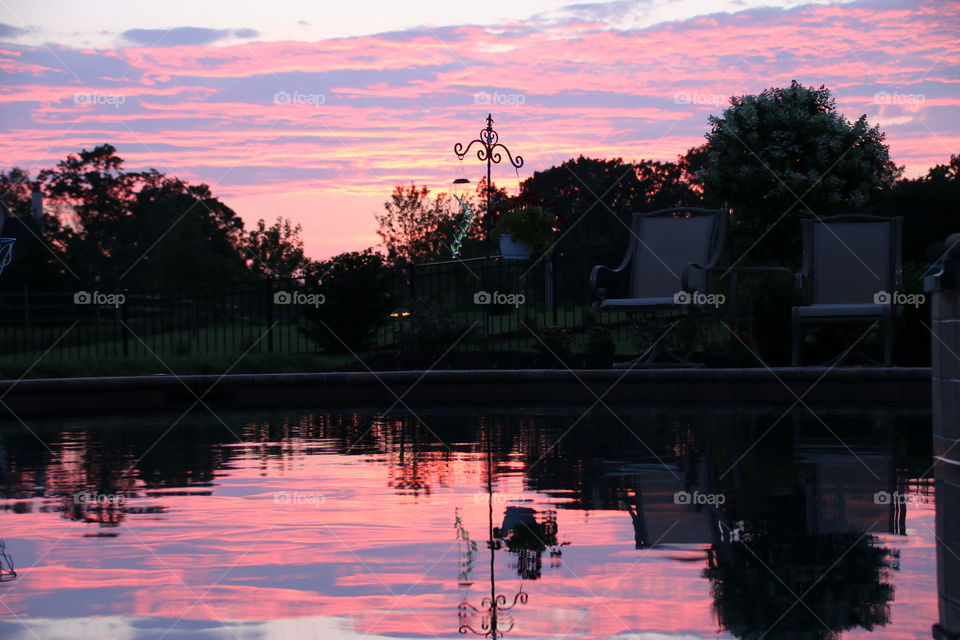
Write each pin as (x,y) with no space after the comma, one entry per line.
(648,523)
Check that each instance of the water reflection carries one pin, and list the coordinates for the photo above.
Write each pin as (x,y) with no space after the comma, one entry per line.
(7,572)
(494,617)
(763,526)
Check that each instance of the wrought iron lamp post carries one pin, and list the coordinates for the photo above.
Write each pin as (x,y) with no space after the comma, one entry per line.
(488,152)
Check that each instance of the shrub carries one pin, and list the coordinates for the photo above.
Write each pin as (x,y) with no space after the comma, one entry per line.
(534,225)
(358,292)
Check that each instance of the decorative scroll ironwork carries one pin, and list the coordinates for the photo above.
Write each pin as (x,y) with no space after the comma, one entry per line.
(493,613)
(489,152)
(490,140)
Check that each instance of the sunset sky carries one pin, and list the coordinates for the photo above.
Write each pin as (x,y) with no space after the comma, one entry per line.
(314,111)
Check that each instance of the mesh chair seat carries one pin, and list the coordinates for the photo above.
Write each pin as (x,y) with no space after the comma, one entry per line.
(636,303)
(843,311)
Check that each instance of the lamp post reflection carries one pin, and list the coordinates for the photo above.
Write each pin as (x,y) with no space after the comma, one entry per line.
(494,612)
(7,572)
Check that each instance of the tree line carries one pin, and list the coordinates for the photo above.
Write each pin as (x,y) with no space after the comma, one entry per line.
(771,158)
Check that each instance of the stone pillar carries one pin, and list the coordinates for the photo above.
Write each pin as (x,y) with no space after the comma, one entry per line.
(944,287)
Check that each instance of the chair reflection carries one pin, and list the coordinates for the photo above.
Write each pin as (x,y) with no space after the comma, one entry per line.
(806,533)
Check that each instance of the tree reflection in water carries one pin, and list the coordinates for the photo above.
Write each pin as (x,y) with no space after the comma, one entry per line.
(797,557)
(786,584)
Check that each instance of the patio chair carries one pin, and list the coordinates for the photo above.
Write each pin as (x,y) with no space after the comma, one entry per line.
(667,263)
(851,273)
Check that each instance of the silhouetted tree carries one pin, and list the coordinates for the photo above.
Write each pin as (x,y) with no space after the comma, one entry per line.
(135,229)
(40,259)
(275,251)
(588,195)
(767,150)
(415,227)
(358,291)
(182,235)
(930,205)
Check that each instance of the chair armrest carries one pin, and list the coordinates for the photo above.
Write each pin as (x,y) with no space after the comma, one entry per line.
(798,284)
(685,276)
(599,293)
(736,269)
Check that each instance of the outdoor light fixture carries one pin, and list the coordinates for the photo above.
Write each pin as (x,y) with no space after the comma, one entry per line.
(399,312)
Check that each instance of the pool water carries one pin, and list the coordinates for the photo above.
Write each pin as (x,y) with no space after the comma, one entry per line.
(648,523)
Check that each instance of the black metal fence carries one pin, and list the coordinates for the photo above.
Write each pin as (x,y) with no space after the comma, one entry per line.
(504,301)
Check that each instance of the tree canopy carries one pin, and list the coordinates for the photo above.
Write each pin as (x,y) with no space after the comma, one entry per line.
(590,195)
(103,226)
(774,156)
(930,206)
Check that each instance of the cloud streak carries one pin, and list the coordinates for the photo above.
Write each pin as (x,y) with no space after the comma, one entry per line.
(184,36)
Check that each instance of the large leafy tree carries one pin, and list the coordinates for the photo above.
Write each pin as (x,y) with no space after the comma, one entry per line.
(182,235)
(589,195)
(142,229)
(774,156)
(275,251)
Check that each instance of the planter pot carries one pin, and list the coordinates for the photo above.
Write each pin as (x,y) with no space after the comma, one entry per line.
(514,249)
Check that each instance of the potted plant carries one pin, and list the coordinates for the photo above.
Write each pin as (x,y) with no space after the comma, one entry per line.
(524,230)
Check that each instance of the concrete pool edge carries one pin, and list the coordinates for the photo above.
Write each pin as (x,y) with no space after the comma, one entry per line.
(519,387)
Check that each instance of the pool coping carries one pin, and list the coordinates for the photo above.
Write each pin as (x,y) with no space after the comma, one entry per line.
(848,386)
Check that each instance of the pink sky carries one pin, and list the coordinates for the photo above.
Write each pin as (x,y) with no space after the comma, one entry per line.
(320,130)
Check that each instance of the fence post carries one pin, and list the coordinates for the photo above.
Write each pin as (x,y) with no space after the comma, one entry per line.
(125,316)
(412,289)
(270,315)
(548,285)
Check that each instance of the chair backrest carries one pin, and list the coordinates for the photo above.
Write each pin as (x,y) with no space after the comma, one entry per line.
(847,259)
(665,241)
